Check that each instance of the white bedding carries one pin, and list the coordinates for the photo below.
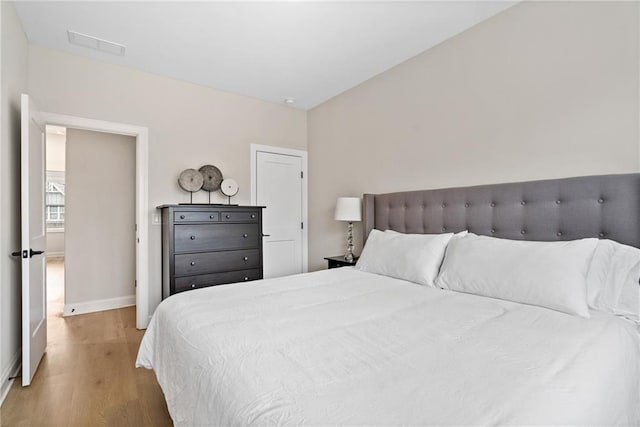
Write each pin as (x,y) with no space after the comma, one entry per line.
(347,347)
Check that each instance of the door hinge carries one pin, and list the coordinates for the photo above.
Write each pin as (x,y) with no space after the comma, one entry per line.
(135,283)
(301,174)
(302,225)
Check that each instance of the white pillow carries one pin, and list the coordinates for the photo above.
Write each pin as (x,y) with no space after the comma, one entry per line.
(612,282)
(412,257)
(547,274)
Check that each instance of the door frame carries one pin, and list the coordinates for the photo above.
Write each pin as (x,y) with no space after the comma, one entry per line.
(255,148)
(141,134)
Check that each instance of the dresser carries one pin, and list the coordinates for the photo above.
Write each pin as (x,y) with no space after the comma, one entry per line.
(208,245)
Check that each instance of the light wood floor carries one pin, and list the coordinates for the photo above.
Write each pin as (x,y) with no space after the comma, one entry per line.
(87,376)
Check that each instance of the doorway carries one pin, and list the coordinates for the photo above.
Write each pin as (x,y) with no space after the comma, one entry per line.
(90,221)
(141,197)
(279,182)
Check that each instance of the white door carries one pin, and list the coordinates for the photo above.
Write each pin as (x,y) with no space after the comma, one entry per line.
(34,298)
(279,189)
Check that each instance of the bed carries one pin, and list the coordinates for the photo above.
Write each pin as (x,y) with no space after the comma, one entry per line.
(347,346)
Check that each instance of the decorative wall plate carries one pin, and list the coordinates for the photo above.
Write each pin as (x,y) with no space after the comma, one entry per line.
(229,187)
(190,180)
(212,178)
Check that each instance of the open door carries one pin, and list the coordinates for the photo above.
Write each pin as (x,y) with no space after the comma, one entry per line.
(34,298)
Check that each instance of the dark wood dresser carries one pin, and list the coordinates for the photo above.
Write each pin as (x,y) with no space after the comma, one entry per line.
(208,245)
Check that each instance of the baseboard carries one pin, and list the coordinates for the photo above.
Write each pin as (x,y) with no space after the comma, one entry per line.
(73,309)
(11,371)
(55,254)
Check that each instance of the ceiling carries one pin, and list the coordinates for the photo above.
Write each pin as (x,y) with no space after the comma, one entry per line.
(306,51)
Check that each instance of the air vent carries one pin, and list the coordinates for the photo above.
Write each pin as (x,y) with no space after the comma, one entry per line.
(96,43)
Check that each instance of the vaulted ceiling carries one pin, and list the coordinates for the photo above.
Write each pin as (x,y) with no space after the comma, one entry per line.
(305,51)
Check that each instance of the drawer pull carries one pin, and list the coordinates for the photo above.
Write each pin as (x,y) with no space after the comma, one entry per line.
(193,237)
(192,263)
(246,258)
(211,217)
(193,286)
(253,216)
(181,216)
(246,278)
(227,216)
(245,235)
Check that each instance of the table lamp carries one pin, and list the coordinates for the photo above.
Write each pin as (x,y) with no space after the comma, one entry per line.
(348,209)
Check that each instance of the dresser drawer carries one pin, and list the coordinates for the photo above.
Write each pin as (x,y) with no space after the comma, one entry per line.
(212,237)
(196,216)
(204,280)
(239,216)
(214,262)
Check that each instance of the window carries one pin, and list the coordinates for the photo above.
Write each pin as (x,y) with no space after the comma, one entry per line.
(55,201)
(55,213)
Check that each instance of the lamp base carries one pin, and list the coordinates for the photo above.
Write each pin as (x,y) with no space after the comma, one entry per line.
(349,255)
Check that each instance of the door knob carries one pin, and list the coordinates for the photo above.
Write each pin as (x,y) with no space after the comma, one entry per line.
(32,252)
(25,254)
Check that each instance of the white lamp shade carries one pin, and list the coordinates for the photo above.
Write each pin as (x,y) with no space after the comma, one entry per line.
(348,209)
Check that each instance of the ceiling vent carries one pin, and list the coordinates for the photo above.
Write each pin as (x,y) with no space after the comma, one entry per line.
(91,42)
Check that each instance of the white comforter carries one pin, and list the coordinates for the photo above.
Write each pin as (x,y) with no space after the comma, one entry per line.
(346,347)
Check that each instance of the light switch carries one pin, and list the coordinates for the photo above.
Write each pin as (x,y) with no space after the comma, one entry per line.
(156,219)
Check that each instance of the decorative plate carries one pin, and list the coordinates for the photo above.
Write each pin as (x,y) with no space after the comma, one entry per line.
(190,180)
(212,178)
(229,187)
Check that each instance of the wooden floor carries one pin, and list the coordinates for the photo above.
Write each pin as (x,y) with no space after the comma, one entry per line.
(87,376)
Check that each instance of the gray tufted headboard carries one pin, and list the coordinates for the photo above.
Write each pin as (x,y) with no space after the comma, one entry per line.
(606,206)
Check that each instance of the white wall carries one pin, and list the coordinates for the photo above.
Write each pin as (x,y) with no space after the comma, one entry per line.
(189,125)
(99,217)
(55,244)
(542,90)
(55,152)
(13,78)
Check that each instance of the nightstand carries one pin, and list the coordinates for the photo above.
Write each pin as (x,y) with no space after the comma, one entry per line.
(339,261)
